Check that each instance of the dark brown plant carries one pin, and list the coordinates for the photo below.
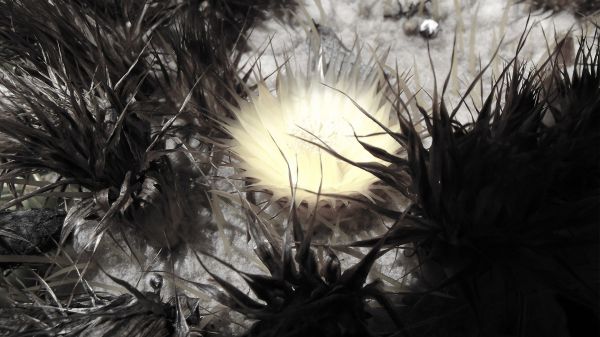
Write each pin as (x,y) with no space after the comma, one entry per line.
(305,297)
(112,95)
(505,222)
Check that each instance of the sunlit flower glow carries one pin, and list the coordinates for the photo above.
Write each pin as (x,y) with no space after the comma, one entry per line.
(271,130)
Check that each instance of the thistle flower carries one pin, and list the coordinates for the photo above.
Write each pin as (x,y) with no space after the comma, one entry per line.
(293,137)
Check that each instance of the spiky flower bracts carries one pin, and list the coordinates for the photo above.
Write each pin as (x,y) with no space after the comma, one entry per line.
(314,108)
(305,297)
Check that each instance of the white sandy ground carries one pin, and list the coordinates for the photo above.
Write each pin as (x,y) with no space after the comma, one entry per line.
(479,26)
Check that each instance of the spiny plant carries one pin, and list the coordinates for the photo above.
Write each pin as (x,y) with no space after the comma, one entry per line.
(580,7)
(242,16)
(107,316)
(91,92)
(505,220)
(42,310)
(305,296)
(70,99)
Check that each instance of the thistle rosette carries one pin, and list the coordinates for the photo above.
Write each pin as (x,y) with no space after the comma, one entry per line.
(505,216)
(305,295)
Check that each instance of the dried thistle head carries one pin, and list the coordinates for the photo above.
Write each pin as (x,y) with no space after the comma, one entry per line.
(296,135)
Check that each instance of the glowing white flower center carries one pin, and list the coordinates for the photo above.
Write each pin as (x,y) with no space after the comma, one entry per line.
(316,120)
(271,132)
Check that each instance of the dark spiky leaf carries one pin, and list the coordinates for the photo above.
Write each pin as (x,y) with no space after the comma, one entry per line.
(311,299)
(505,216)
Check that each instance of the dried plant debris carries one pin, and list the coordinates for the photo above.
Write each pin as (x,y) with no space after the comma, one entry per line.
(506,207)
(395,9)
(98,315)
(579,7)
(38,304)
(239,16)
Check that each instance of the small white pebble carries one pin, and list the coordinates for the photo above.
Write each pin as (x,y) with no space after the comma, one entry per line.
(429,28)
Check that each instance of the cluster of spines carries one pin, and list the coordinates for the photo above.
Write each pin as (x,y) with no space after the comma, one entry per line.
(503,216)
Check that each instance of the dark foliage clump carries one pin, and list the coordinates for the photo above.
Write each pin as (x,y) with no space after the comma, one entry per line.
(503,217)
(305,297)
(505,221)
(239,16)
(92,90)
(98,314)
(103,316)
(29,231)
(579,7)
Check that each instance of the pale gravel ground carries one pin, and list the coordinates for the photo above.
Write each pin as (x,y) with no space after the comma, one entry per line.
(479,26)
